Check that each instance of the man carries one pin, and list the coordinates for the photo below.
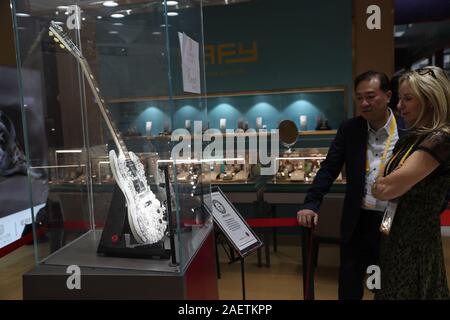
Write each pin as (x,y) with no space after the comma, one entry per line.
(363,144)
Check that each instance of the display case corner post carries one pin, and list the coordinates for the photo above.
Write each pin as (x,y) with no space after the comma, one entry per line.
(169,214)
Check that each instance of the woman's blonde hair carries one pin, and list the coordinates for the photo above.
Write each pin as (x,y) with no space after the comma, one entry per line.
(432,87)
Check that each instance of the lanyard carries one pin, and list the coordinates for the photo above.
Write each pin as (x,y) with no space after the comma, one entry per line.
(402,159)
(386,148)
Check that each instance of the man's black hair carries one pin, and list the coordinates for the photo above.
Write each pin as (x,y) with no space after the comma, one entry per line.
(385,84)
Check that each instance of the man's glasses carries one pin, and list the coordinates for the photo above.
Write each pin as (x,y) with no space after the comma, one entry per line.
(425,71)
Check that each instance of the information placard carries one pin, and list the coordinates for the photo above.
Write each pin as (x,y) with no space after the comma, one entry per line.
(234,227)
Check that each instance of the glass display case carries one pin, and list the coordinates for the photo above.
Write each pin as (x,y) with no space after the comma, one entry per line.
(231,173)
(118,198)
(300,165)
(102,170)
(68,167)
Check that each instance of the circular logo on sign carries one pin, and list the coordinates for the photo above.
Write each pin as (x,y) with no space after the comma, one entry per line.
(219,206)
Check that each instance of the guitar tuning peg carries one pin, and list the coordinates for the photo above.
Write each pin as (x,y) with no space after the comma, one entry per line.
(50,34)
(61,46)
(56,39)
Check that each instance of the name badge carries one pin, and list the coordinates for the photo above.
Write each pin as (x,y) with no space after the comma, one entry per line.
(369,201)
(388,217)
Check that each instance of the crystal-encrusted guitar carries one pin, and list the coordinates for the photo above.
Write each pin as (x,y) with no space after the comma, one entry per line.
(146,215)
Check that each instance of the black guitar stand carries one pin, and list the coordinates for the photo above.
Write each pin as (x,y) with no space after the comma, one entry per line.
(169,213)
(232,259)
(117,240)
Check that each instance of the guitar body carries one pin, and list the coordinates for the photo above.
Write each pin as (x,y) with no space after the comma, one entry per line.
(146,216)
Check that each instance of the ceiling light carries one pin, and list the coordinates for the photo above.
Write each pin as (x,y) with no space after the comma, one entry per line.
(23,15)
(172,14)
(398,34)
(110,4)
(62,7)
(113,32)
(171,3)
(99,17)
(117,15)
(118,24)
(156,33)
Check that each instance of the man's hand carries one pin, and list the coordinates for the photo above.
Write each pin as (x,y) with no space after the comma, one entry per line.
(306,217)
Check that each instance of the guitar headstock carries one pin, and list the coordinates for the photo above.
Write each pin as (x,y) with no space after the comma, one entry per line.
(62,39)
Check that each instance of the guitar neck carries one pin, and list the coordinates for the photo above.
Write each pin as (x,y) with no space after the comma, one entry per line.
(101,104)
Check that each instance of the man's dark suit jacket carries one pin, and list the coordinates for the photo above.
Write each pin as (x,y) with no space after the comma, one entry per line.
(349,148)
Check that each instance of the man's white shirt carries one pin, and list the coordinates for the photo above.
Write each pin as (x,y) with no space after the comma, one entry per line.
(376,141)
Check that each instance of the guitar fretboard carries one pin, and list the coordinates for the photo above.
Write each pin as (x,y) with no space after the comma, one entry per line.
(101,104)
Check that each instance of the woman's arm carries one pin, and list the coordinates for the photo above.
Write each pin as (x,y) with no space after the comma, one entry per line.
(416,167)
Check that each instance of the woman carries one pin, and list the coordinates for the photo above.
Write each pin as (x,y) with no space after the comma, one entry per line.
(417,179)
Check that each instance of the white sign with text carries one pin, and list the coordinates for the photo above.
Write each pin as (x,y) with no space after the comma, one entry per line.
(190,63)
(231,222)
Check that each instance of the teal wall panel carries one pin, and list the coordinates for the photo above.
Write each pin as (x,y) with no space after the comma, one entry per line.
(273,108)
(299,44)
